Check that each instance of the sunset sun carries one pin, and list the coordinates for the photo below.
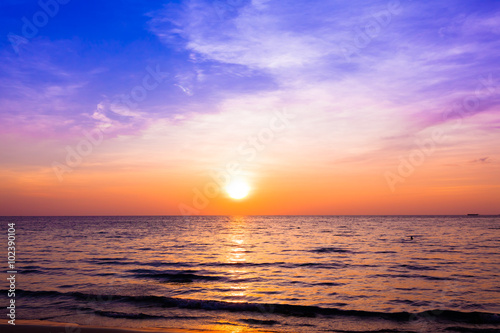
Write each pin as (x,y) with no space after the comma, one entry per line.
(238,189)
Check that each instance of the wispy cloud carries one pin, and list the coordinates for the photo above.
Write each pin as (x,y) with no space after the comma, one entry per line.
(426,59)
(483,160)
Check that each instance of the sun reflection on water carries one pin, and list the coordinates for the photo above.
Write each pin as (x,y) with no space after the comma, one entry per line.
(236,256)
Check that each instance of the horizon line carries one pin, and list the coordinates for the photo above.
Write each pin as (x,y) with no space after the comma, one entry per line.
(225,215)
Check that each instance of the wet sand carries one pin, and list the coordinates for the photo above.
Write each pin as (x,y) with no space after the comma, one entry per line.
(38,326)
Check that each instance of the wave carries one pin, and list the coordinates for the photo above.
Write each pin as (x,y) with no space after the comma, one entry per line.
(242,264)
(32,271)
(331,284)
(315,265)
(37,269)
(413,276)
(252,321)
(110,261)
(331,250)
(472,330)
(173,276)
(417,267)
(112,314)
(120,261)
(139,316)
(279,309)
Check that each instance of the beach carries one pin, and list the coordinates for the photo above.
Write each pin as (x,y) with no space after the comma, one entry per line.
(35,326)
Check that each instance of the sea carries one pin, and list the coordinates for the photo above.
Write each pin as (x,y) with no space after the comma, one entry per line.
(269,273)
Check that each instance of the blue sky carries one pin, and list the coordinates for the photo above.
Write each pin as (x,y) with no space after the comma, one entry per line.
(102,47)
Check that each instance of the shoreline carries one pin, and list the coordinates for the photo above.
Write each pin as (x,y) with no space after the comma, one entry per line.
(42,326)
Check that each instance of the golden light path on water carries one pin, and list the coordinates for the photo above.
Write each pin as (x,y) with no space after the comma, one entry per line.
(237,255)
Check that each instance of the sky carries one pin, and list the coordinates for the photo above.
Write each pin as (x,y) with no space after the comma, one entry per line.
(320,107)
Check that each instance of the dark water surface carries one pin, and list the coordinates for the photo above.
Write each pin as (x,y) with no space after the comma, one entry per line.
(281,273)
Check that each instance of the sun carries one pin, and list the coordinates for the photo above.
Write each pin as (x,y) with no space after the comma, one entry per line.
(238,189)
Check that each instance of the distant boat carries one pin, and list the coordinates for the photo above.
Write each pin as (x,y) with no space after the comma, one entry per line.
(472,214)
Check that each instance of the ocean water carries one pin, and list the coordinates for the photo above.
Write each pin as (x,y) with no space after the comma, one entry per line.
(275,273)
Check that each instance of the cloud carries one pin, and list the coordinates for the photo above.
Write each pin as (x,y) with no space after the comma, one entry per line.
(423,61)
(483,160)
(116,119)
(261,56)
(257,36)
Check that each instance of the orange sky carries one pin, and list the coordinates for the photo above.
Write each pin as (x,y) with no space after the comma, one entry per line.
(297,188)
